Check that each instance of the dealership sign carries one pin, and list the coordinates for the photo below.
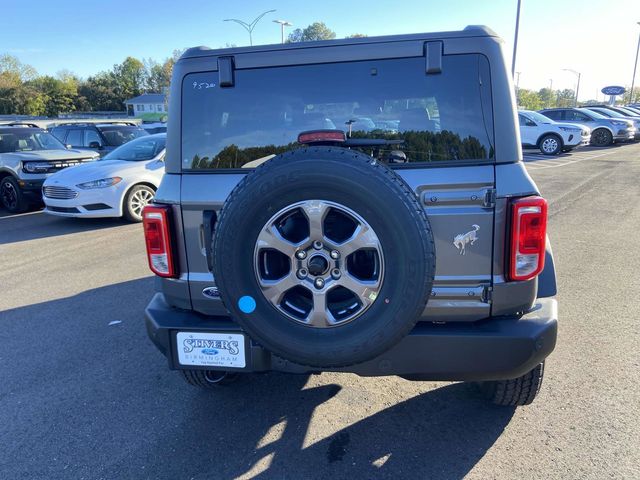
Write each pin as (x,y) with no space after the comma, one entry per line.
(613,90)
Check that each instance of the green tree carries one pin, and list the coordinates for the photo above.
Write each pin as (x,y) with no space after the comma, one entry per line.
(100,92)
(22,100)
(626,98)
(158,75)
(315,31)
(356,35)
(547,97)
(13,73)
(59,95)
(529,100)
(566,98)
(128,78)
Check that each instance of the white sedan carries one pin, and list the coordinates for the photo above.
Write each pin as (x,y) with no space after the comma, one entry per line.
(120,184)
(538,131)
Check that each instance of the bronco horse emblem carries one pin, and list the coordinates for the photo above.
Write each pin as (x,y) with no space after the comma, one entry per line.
(461,240)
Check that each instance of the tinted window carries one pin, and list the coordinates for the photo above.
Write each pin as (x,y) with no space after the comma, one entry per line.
(119,135)
(74,138)
(91,136)
(447,116)
(27,140)
(139,149)
(553,114)
(577,116)
(59,133)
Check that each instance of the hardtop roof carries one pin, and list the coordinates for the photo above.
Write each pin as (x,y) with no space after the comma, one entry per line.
(468,32)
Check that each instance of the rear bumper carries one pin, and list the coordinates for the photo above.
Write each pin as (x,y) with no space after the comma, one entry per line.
(499,348)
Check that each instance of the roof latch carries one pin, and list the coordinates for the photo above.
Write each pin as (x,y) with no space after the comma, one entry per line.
(225,71)
(433,57)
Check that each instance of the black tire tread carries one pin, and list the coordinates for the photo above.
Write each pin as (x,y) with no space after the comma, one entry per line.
(609,142)
(517,391)
(197,378)
(22,205)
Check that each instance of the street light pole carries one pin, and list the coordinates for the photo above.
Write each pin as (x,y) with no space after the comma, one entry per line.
(249,26)
(283,23)
(579,75)
(635,64)
(515,41)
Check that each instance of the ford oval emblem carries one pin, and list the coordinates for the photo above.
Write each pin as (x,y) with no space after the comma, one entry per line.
(209,351)
(613,90)
(211,292)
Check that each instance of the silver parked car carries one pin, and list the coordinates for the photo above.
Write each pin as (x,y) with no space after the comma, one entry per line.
(604,130)
(619,114)
(28,155)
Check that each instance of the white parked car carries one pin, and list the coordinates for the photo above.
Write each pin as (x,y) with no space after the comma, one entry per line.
(551,137)
(118,185)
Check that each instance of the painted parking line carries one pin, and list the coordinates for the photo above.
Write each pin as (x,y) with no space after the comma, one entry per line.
(539,166)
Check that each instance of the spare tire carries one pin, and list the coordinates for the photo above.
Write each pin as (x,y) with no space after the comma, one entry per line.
(324,256)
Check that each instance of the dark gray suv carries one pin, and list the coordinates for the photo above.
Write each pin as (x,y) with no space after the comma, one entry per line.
(99,137)
(283,245)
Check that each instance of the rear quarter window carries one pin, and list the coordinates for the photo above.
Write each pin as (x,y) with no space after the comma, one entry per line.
(439,117)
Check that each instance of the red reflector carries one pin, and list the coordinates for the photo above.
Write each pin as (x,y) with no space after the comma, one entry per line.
(315,136)
(528,237)
(155,221)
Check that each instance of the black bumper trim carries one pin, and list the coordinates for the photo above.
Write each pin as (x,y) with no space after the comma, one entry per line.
(498,348)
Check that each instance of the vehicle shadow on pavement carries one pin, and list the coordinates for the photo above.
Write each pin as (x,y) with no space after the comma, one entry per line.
(87,395)
(35,225)
(441,433)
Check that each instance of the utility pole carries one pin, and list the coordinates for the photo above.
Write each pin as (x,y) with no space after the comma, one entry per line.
(515,41)
(578,74)
(635,64)
(249,26)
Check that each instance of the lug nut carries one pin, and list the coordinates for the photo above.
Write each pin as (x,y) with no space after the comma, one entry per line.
(302,273)
(335,254)
(335,273)
(301,254)
(319,283)
(317,245)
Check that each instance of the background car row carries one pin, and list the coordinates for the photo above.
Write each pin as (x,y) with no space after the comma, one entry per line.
(34,161)
(557,130)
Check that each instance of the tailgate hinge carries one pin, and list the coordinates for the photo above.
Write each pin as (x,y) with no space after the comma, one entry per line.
(489,198)
(487,294)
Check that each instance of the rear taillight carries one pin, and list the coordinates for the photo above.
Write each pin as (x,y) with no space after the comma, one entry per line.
(157,235)
(528,237)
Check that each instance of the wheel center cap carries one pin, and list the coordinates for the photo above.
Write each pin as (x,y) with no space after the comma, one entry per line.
(317,265)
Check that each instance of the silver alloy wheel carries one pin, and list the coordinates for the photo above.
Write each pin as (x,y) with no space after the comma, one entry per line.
(139,199)
(319,263)
(550,145)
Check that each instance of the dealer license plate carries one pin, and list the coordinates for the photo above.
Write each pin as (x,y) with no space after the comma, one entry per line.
(211,349)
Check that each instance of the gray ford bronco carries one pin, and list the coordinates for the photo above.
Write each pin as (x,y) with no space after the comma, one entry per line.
(354,205)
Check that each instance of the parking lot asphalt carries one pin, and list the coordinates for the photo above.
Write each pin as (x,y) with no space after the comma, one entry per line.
(84,394)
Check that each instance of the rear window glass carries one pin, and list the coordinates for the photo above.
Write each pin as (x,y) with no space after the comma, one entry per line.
(439,117)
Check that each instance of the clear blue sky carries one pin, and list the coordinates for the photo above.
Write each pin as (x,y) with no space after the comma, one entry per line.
(595,37)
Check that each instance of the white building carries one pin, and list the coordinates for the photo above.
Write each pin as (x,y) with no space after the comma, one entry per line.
(147,103)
